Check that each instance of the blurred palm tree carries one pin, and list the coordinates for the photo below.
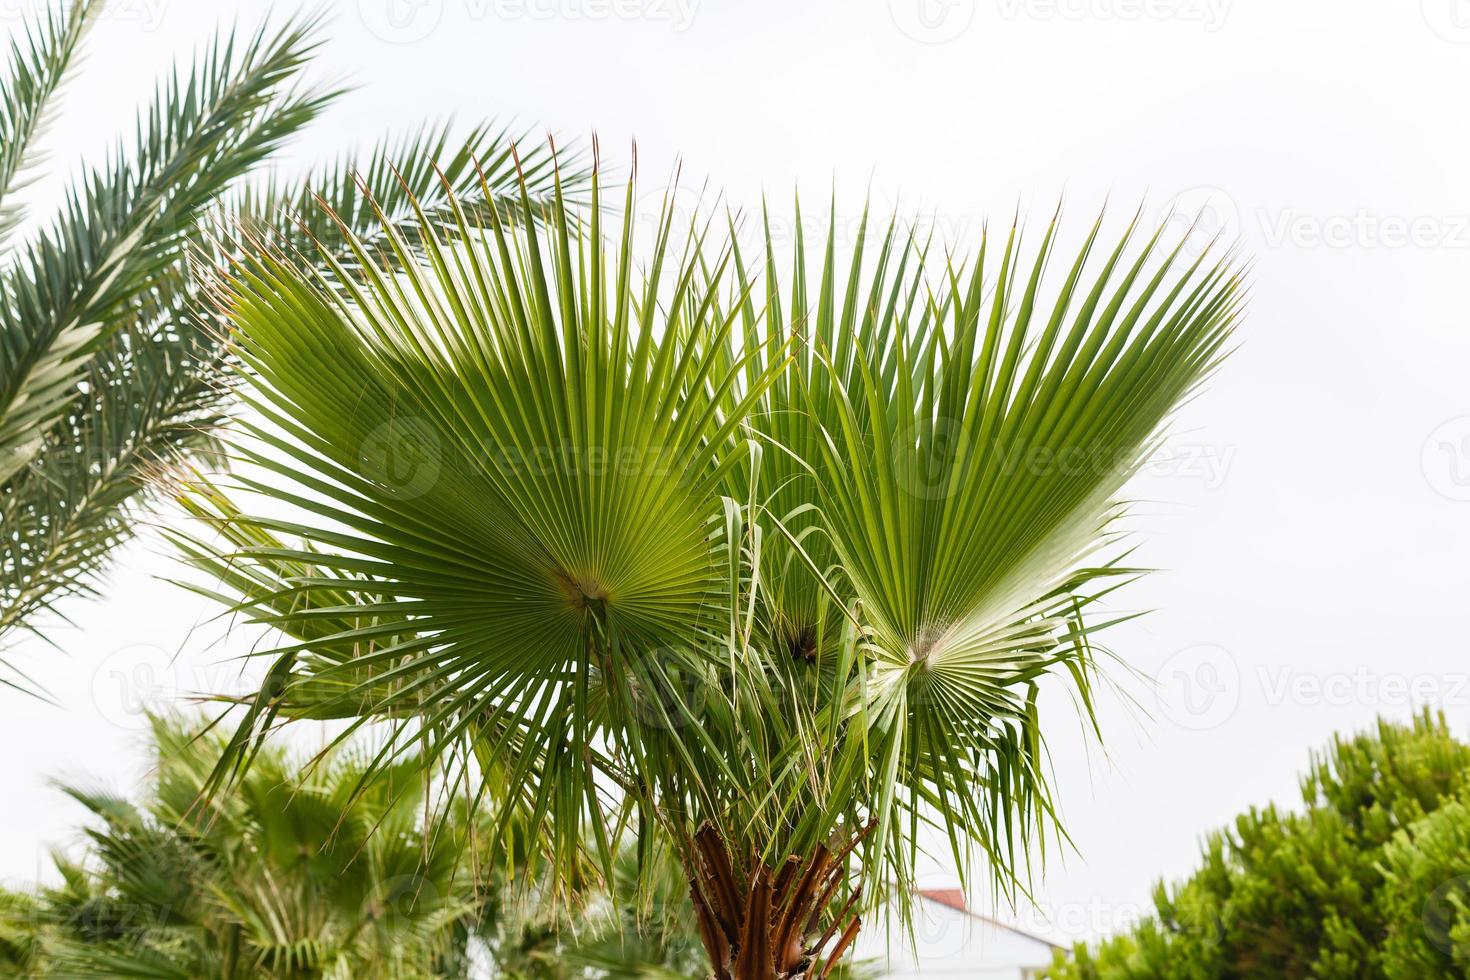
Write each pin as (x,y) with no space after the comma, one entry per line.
(328,874)
(650,547)
(108,364)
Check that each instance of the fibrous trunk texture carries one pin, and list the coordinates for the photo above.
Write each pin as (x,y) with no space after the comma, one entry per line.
(759,923)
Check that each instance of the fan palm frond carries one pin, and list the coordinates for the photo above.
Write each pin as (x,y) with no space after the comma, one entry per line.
(969,479)
(519,445)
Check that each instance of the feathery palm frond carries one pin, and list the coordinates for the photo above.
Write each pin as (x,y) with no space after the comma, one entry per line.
(94,383)
(108,364)
(390,186)
(145,401)
(124,225)
(39,61)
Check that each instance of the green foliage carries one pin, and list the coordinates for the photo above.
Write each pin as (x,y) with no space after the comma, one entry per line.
(39,56)
(1426,895)
(327,874)
(648,546)
(641,927)
(109,362)
(1367,880)
(337,872)
(21,927)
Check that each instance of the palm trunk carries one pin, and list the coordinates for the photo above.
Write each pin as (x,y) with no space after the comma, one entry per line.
(762,924)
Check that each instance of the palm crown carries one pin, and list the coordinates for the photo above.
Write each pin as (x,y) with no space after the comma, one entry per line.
(766,575)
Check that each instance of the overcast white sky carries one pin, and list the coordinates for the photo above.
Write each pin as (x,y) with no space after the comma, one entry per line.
(1313,515)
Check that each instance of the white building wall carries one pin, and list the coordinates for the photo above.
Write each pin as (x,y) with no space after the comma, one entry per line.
(951,944)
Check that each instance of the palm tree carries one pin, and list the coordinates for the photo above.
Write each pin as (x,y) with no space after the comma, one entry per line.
(654,547)
(108,364)
(331,874)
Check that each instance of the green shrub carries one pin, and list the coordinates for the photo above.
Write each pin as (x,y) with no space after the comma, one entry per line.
(1370,879)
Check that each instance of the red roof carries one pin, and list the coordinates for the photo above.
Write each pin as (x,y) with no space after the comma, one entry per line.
(952,897)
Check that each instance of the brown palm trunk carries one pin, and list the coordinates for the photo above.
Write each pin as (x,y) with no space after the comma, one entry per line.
(762,924)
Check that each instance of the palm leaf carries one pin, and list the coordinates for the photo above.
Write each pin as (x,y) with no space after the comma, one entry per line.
(564,418)
(39,59)
(125,223)
(968,491)
(420,171)
(110,366)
